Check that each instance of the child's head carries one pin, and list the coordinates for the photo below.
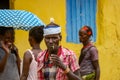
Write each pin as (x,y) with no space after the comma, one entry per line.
(36,34)
(85,33)
(88,30)
(7,34)
(10,33)
(2,31)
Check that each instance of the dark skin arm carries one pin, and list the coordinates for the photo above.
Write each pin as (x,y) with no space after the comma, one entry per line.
(97,69)
(72,76)
(26,63)
(18,63)
(95,63)
(4,59)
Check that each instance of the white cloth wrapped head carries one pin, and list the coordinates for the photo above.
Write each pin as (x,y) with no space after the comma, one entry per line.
(52,30)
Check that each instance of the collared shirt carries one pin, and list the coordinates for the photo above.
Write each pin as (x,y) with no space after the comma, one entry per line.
(69,59)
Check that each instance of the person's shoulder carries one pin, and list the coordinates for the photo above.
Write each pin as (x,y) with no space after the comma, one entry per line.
(42,53)
(67,51)
(92,47)
(27,53)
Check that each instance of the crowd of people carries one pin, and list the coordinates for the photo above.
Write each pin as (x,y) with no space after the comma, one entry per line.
(54,63)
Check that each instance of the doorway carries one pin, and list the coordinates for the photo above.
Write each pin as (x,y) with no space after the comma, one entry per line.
(4,4)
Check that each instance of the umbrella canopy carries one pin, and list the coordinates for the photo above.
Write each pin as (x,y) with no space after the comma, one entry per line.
(19,19)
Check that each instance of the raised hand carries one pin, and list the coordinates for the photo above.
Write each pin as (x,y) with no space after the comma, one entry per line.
(57,61)
(14,49)
(5,46)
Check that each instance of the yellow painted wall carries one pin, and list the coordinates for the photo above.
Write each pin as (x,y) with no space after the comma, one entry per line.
(108,34)
(108,24)
(44,9)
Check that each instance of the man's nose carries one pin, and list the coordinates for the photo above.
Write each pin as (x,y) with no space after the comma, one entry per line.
(51,40)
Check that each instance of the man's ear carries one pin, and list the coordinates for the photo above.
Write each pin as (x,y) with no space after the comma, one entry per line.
(60,37)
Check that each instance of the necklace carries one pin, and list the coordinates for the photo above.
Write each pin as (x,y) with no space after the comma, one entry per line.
(47,62)
(87,45)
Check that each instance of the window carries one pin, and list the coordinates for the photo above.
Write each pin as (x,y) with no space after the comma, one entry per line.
(78,14)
